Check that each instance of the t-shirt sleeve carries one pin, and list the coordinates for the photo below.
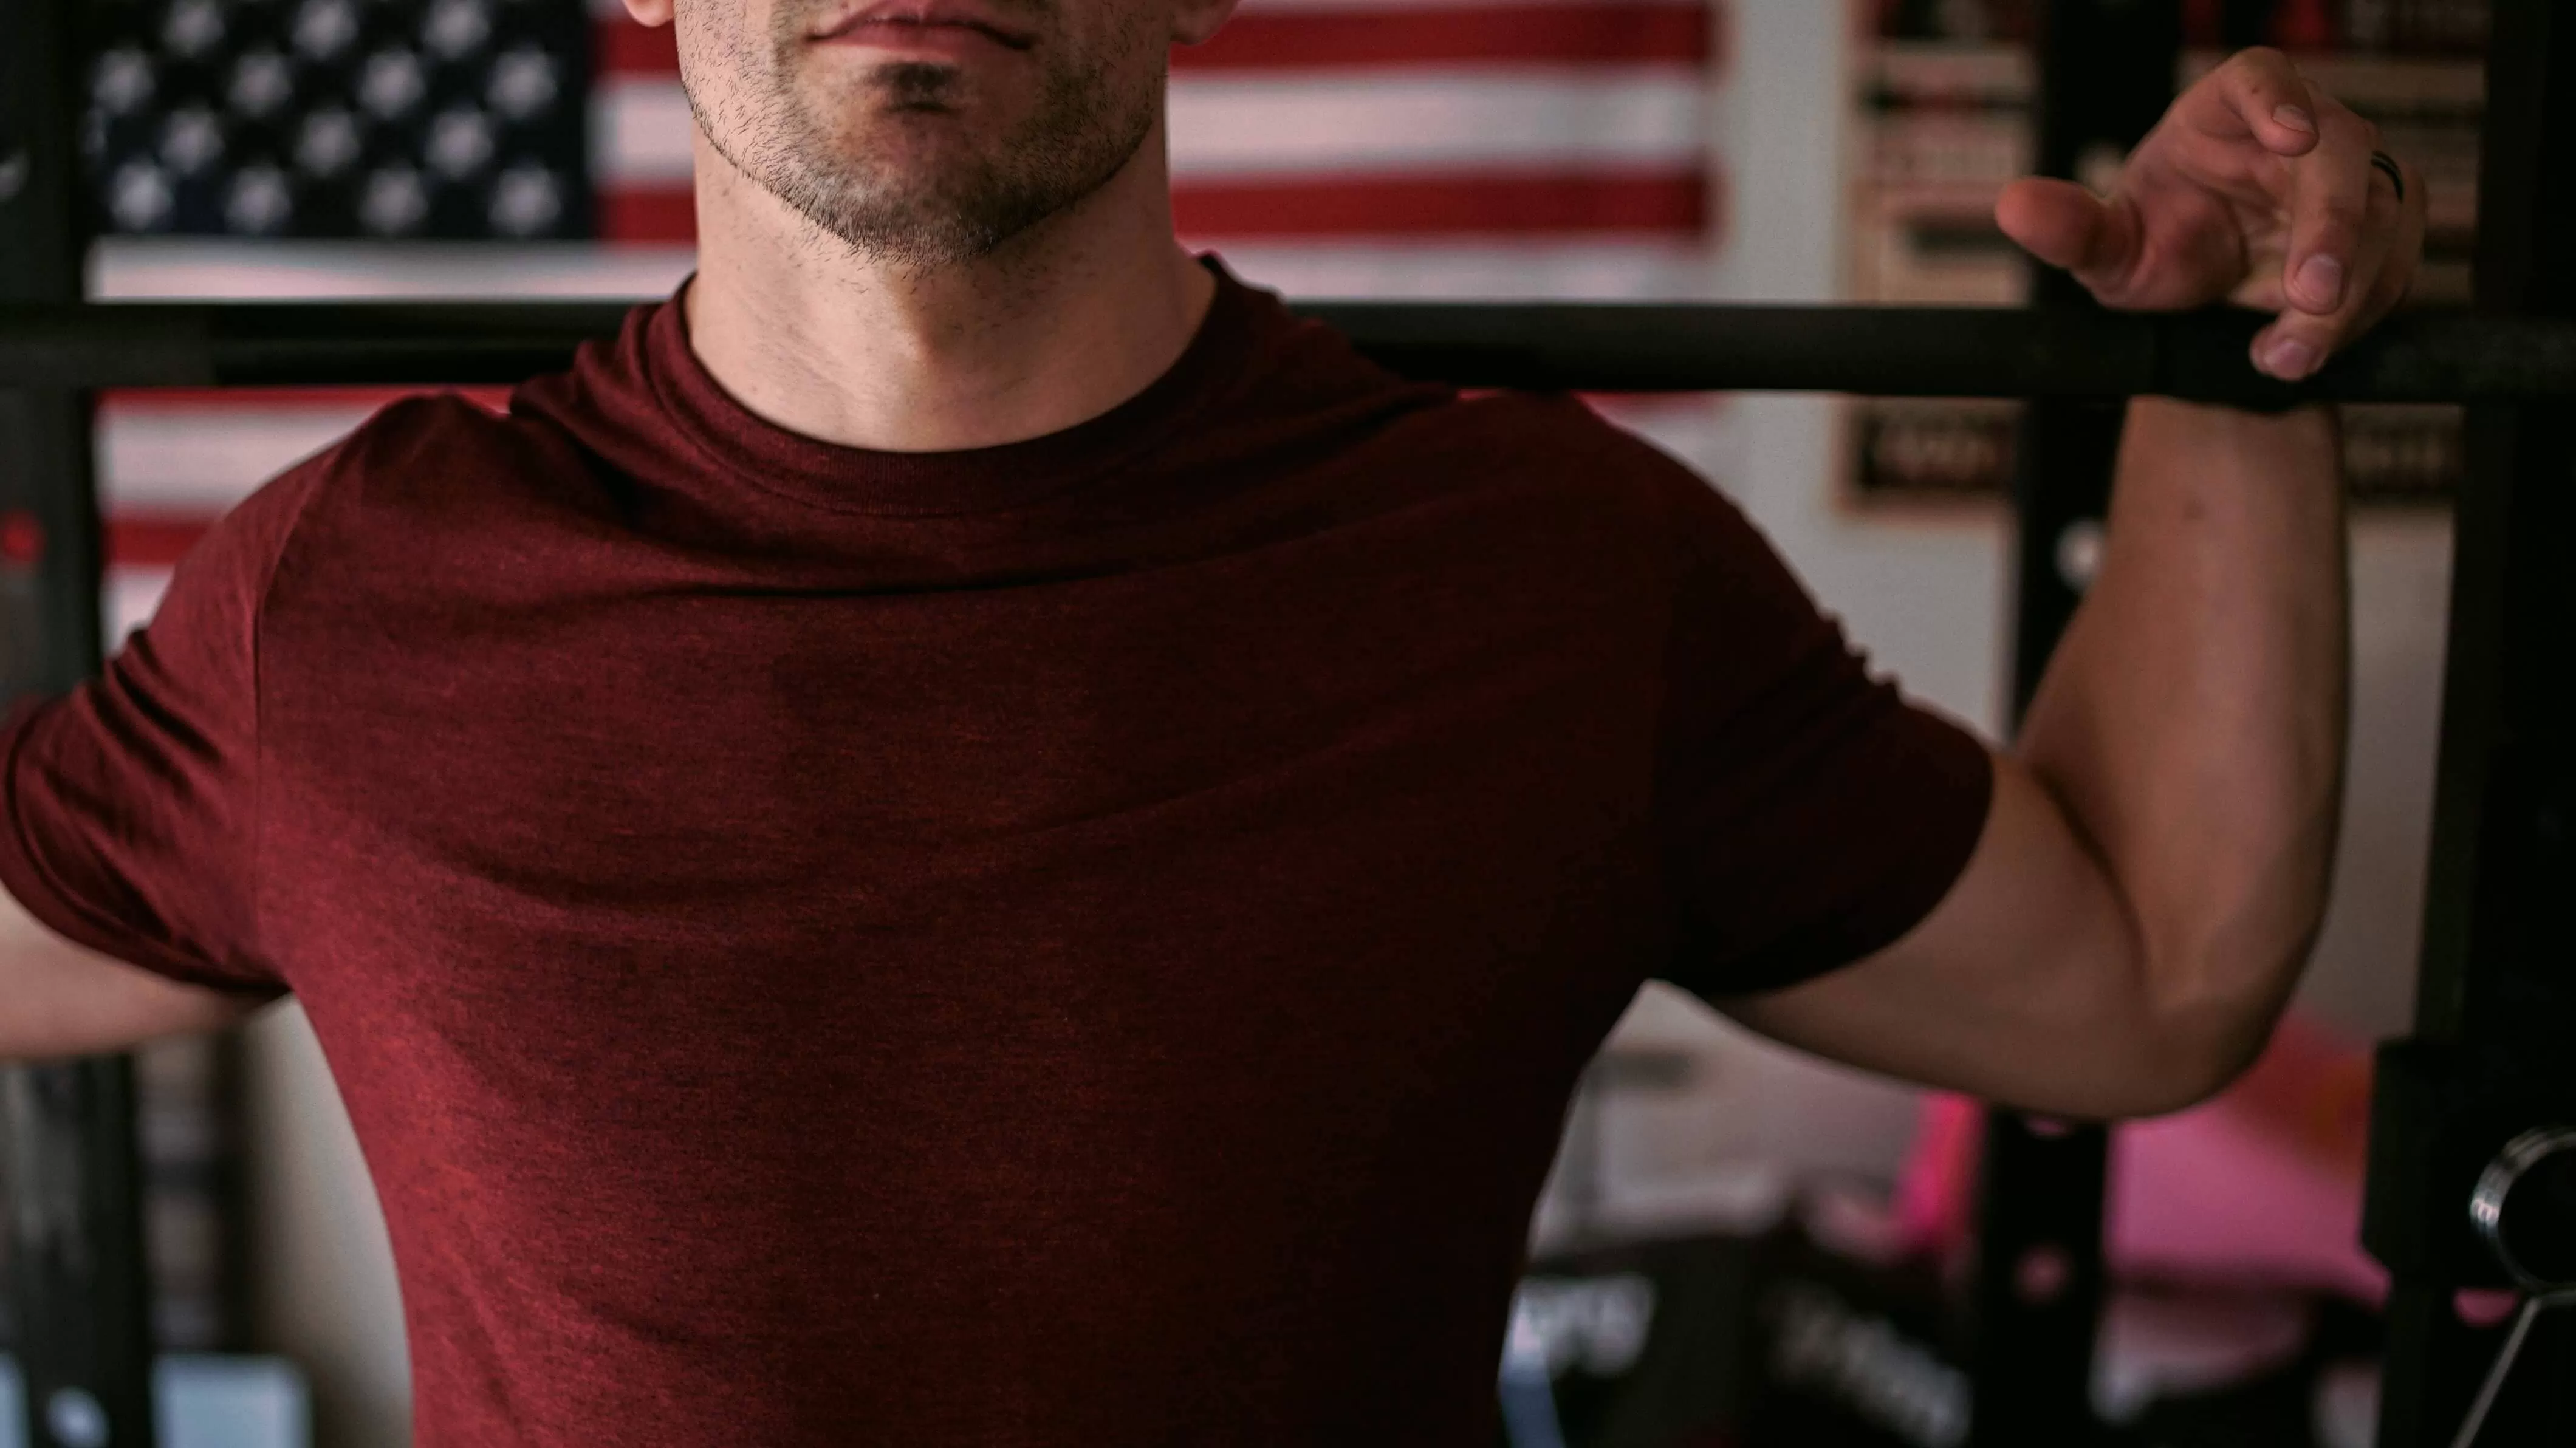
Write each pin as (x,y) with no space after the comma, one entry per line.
(132,802)
(1810,815)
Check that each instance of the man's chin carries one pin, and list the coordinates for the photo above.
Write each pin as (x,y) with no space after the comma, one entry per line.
(913,147)
(918,225)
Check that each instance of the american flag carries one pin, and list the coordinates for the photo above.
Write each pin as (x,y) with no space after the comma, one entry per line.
(1349,148)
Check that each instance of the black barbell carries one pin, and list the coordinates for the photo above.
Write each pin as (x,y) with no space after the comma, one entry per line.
(2424,356)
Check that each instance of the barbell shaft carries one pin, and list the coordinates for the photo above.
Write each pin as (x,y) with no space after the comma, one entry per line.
(2424,356)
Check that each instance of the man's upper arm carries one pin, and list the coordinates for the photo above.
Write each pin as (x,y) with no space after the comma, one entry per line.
(1809,815)
(1860,877)
(129,807)
(2024,985)
(58,998)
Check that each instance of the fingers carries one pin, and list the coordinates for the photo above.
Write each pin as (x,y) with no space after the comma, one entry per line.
(2406,260)
(2330,201)
(2344,229)
(2385,248)
(2068,227)
(2258,186)
(2260,94)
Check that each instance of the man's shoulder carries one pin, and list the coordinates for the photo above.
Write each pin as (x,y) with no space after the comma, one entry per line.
(429,476)
(427,461)
(413,440)
(1555,451)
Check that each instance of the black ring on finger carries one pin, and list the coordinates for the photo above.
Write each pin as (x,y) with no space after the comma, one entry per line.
(2396,174)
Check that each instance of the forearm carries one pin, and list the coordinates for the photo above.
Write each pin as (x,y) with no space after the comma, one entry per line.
(2192,723)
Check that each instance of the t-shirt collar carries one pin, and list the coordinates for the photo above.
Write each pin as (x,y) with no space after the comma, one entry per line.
(837,478)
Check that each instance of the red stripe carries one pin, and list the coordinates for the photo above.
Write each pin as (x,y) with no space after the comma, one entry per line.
(336,399)
(1414,206)
(622,47)
(1409,206)
(149,540)
(1525,34)
(647,214)
(1543,34)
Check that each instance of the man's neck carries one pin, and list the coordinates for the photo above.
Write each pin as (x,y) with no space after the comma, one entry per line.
(1064,323)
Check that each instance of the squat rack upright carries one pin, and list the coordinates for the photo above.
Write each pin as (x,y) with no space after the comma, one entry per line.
(2496,1014)
(80,1288)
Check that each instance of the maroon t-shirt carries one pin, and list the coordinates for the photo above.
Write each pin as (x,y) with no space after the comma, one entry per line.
(1086,941)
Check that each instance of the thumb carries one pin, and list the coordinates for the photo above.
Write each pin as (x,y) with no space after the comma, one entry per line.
(2068,227)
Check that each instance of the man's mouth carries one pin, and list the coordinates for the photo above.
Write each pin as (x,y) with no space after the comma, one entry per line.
(934,25)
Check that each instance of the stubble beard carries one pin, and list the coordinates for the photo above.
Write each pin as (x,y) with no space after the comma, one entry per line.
(924,202)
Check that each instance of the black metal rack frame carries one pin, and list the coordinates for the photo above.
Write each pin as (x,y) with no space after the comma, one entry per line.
(2061,352)
(2494,1052)
(76,1216)
(2497,1002)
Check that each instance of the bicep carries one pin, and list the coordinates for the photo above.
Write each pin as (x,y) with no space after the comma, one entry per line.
(59,998)
(2024,985)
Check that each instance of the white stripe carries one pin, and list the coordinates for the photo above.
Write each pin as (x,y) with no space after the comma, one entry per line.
(616,9)
(639,132)
(127,602)
(1488,120)
(1588,271)
(1300,7)
(1481,120)
(140,269)
(201,459)
(129,269)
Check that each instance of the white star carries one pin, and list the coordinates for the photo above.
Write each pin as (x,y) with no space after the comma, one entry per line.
(526,200)
(191,140)
(262,81)
(193,27)
(391,83)
(395,201)
(324,28)
(456,27)
(460,143)
(523,82)
(138,196)
(328,142)
(122,80)
(260,201)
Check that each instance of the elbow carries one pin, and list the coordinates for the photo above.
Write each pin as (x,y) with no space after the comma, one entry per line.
(2150,1066)
(2190,1065)
(2208,1000)
(2194,1048)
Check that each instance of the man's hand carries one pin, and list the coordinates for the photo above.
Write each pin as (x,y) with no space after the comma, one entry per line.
(2257,187)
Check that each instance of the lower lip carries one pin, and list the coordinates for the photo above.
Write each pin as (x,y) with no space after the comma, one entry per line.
(942,42)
